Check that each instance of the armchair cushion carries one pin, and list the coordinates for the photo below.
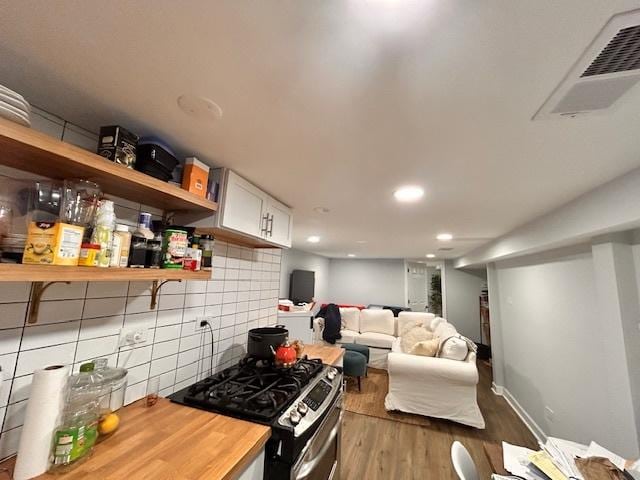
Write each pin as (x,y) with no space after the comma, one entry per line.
(376,340)
(426,348)
(435,322)
(414,335)
(377,321)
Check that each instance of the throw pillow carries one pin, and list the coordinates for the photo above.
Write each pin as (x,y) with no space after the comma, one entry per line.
(414,335)
(456,348)
(426,348)
(408,326)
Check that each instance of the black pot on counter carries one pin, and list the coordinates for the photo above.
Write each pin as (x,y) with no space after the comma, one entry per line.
(264,341)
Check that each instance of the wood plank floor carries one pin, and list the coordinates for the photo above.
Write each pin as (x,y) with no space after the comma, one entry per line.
(377,449)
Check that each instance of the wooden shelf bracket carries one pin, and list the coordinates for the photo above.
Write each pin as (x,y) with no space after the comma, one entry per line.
(155,289)
(37,290)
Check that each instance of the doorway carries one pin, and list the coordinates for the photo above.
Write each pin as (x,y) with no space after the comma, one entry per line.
(417,287)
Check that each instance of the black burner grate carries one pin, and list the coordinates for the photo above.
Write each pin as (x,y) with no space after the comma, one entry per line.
(253,389)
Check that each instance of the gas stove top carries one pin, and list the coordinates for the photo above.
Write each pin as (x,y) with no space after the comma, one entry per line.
(252,389)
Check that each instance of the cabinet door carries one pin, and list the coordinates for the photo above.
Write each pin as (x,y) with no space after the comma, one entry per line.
(245,206)
(280,223)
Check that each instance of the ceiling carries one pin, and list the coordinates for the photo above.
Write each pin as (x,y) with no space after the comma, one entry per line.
(335,103)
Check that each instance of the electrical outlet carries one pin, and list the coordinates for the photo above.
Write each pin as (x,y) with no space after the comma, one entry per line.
(199,321)
(132,337)
(549,414)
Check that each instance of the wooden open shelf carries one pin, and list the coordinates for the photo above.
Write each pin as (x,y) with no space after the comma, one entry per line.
(35,152)
(56,273)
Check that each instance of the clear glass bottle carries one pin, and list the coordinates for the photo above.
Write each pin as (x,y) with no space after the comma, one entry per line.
(105,223)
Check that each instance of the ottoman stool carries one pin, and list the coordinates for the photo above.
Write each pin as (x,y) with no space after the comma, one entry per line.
(355,365)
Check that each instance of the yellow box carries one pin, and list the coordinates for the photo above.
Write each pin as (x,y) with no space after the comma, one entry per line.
(50,243)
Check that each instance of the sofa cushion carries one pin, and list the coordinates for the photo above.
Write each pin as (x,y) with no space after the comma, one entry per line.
(435,322)
(348,336)
(376,340)
(350,318)
(426,348)
(413,318)
(414,335)
(377,321)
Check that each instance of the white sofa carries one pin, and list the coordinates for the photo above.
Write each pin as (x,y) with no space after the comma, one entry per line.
(378,329)
(434,387)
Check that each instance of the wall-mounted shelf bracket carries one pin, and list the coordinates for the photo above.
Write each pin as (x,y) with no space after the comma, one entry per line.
(37,289)
(155,289)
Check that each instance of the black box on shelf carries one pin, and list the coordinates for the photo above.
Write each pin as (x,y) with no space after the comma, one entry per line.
(118,145)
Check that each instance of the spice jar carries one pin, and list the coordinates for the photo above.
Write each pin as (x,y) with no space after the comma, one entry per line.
(89,254)
(206,245)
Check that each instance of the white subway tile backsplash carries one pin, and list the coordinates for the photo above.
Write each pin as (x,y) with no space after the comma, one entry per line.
(12,315)
(60,311)
(39,336)
(170,332)
(96,348)
(107,289)
(15,292)
(169,317)
(163,365)
(30,360)
(191,314)
(167,380)
(135,392)
(165,349)
(190,342)
(194,300)
(100,327)
(104,307)
(139,304)
(197,286)
(134,357)
(139,373)
(171,301)
(137,289)
(10,340)
(185,372)
(65,291)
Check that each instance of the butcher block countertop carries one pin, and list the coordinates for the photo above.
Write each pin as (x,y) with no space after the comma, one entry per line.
(171,442)
(329,355)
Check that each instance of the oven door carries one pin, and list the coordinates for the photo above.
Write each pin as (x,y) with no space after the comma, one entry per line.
(320,459)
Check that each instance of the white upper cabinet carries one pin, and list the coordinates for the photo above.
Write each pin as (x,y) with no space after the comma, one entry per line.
(279,223)
(248,210)
(244,206)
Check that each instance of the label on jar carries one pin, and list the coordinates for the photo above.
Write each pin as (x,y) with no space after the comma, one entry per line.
(175,247)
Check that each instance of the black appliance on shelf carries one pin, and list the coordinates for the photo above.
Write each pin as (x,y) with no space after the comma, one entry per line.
(302,284)
(301,404)
(155,160)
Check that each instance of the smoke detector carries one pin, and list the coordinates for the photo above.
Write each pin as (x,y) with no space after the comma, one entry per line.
(608,68)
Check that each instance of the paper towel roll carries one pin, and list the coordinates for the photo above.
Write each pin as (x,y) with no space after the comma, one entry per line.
(44,409)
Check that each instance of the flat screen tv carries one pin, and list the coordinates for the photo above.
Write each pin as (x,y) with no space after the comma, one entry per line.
(302,286)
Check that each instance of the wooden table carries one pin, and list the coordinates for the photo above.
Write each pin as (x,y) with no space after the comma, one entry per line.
(328,355)
(171,441)
(493,451)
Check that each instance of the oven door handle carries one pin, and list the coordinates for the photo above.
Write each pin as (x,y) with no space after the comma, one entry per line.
(307,467)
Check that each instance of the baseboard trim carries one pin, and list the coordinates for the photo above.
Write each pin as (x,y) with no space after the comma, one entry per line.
(533,427)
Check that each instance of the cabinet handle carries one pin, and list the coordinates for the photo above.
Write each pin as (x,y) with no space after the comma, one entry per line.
(264,230)
(270,222)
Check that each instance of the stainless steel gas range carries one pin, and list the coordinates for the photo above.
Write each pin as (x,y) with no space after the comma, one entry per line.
(302,404)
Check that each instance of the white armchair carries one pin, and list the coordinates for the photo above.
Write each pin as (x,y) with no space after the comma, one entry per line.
(434,387)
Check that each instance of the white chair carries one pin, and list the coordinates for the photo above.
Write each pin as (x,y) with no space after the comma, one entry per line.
(462,462)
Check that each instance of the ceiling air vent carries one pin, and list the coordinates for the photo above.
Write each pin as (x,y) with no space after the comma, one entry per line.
(607,69)
(445,249)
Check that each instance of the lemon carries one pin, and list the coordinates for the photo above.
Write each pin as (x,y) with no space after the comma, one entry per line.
(108,424)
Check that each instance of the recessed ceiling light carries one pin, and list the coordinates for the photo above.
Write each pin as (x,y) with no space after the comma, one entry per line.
(351,255)
(430,255)
(200,108)
(322,210)
(313,239)
(444,237)
(409,193)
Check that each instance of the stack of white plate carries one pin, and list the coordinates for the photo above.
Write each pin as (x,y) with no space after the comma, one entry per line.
(14,107)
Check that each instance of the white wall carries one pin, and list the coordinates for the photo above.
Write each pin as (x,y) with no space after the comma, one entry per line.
(558,348)
(293,259)
(363,281)
(462,298)
(81,321)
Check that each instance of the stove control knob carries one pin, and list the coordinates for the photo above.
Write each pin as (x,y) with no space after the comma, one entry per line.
(302,408)
(331,374)
(294,417)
